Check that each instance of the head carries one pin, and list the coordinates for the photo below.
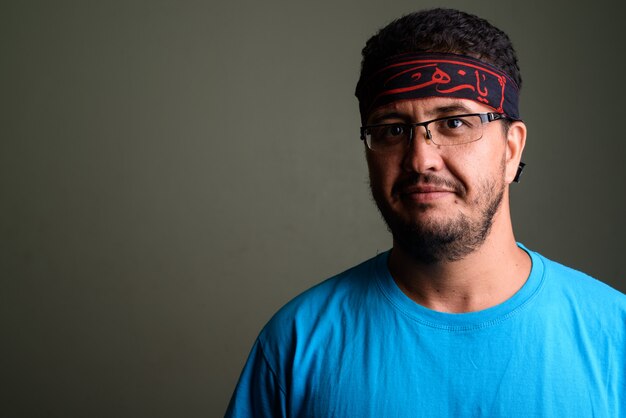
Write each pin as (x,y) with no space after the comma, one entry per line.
(440,202)
(442,30)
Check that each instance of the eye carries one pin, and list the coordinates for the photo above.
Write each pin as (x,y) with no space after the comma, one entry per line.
(382,137)
(459,129)
(393,131)
(454,123)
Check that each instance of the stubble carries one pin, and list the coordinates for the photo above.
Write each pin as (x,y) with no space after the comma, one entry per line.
(430,241)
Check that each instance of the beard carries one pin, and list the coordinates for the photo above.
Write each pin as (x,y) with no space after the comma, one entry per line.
(431,241)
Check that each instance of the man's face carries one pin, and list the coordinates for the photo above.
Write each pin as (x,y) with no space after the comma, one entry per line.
(438,202)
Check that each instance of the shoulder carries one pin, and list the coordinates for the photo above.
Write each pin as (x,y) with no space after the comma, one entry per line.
(577,280)
(582,291)
(327,298)
(321,313)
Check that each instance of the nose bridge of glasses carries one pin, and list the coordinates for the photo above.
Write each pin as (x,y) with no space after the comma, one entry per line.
(415,127)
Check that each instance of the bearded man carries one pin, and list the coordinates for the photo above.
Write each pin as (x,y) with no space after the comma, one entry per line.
(457,319)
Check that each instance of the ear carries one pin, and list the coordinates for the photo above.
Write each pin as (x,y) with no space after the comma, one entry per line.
(515,142)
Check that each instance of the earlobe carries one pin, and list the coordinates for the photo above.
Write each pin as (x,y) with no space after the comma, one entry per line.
(516,140)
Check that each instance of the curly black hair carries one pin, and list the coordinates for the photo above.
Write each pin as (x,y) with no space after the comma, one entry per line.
(443,30)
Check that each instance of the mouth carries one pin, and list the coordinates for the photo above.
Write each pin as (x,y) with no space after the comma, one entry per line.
(425,193)
(422,189)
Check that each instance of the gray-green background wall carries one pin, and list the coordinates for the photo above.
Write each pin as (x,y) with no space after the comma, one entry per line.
(171,173)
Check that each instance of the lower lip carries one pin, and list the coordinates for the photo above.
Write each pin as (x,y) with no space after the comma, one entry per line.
(425,197)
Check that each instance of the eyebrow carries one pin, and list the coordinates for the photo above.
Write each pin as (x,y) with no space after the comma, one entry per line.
(451,108)
(440,111)
(376,119)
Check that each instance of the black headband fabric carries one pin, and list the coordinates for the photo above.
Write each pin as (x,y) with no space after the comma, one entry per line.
(422,75)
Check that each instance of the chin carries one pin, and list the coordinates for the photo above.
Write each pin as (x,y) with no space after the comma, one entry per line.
(431,234)
(427,216)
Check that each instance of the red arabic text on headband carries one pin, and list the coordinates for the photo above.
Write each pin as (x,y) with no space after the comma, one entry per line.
(421,75)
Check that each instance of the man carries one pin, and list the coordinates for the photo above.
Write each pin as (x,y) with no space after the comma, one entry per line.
(457,319)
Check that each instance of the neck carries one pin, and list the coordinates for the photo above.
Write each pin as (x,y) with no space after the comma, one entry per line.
(487,277)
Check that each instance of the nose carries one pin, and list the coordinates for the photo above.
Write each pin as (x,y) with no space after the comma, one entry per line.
(422,156)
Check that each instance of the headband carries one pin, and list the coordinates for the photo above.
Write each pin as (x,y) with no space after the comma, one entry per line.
(421,75)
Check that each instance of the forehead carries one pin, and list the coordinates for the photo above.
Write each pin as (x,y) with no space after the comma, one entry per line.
(427,108)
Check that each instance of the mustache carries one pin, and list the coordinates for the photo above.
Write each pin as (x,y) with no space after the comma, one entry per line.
(430,179)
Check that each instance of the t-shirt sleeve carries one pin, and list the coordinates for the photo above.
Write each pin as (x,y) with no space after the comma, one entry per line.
(258,392)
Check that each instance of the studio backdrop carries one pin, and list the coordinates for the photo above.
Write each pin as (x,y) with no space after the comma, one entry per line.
(172,172)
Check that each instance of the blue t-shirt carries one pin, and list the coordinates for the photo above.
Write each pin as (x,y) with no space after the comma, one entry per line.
(357,346)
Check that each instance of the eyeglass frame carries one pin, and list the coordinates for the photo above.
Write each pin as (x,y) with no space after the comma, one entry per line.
(484,118)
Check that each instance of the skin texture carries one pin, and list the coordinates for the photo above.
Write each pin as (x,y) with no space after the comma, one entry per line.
(448,209)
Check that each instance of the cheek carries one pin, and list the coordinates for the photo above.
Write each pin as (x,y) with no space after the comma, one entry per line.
(383,172)
(477,164)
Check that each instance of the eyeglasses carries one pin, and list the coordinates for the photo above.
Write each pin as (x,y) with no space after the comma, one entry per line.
(446,131)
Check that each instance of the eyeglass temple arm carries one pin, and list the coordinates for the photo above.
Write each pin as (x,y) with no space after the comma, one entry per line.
(520,168)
